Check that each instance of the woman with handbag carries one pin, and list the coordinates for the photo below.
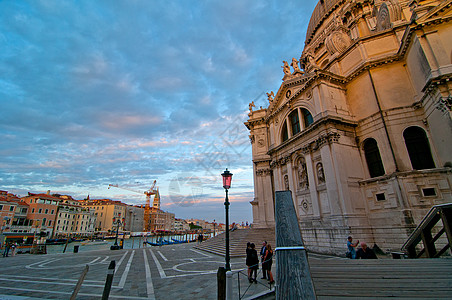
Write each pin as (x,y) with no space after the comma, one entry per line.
(268,260)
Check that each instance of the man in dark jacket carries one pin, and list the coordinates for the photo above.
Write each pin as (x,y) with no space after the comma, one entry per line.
(365,252)
(262,254)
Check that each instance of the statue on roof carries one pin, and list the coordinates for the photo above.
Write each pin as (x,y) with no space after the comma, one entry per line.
(271,96)
(294,65)
(286,68)
(251,105)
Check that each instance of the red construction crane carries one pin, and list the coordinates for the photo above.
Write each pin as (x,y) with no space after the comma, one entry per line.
(147,208)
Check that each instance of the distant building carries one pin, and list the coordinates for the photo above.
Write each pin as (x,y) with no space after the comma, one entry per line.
(134,220)
(20,222)
(42,212)
(161,220)
(197,222)
(73,218)
(220,227)
(181,225)
(107,213)
(360,131)
(210,226)
(7,211)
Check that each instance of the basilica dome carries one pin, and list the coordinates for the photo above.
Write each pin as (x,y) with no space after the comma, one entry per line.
(322,10)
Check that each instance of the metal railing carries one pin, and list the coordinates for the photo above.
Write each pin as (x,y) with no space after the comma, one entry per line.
(238,280)
(427,232)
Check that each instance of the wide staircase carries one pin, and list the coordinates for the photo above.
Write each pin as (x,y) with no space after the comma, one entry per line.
(340,278)
(238,240)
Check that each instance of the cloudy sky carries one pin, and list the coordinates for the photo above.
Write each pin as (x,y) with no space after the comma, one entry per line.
(127,92)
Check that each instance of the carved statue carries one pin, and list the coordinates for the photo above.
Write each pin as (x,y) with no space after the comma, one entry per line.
(251,105)
(271,96)
(310,62)
(294,65)
(320,173)
(286,68)
(303,176)
(286,182)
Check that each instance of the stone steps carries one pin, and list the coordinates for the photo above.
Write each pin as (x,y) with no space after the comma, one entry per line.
(340,278)
(237,241)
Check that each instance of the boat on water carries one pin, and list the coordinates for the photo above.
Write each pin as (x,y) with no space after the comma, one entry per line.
(178,241)
(87,243)
(160,242)
(56,241)
(163,242)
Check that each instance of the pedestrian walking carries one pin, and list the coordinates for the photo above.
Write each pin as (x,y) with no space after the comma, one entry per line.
(13,249)
(351,252)
(268,260)
(252,261)
(5,253)
(248,249)
(262,254)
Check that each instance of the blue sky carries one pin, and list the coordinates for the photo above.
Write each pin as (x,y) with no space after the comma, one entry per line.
(127,92)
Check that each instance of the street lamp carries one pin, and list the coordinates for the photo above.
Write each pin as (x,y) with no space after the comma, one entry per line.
(118,222)
(227,178)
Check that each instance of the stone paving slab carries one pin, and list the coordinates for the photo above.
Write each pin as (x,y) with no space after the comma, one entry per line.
(167,272)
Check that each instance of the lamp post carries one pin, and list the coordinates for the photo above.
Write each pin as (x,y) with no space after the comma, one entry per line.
(118,222)
(227,178)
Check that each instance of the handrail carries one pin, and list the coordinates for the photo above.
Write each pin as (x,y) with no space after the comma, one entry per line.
(424,223)
(242,271)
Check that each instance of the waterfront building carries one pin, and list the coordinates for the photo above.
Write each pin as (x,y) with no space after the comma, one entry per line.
(134,221)
(211,227)
(107,213)
(41,212)
(220,227)
(360,128)
(162,220)
(7,211)
(73,218)
(170,221)
(197,222)
(181,225)
(20,222)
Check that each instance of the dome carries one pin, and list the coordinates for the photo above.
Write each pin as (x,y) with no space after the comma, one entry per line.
(321,11)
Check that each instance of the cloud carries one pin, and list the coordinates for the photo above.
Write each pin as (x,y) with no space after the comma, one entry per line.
(99,92)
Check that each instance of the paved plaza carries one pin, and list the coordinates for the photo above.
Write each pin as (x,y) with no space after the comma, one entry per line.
(167,272)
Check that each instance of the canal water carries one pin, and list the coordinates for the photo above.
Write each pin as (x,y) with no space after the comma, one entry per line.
(130,243)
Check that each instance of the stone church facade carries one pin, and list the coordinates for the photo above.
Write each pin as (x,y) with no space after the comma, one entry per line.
(360,130)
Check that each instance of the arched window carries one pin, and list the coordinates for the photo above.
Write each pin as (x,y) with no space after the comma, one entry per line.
(285,134)
(418,147)
(294,122)
(307,117)
(373,158)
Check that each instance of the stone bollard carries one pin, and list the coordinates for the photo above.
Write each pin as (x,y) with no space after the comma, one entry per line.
(228,285)
(221,283)
(109,280)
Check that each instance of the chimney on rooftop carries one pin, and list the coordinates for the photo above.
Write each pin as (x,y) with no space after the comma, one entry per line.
(48,192)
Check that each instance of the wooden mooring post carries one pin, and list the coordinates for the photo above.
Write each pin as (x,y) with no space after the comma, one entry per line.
(79,283)
(293,279)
